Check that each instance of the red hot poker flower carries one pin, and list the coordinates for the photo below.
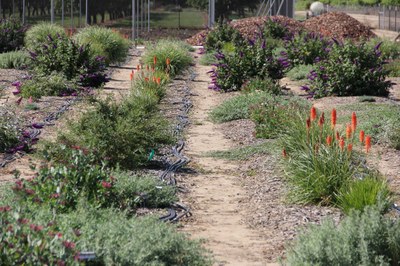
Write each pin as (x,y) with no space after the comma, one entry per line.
(353,121)
(367,143)
(313,113)
(349,147)
(362,136)
(329,140)
(348,131)
(341,143)
(333,117)
(308,123)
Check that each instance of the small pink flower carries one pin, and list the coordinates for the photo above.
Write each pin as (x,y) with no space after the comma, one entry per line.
(69,244)
(106,184)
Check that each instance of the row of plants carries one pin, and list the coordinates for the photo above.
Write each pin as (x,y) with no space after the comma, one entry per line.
(335,68)
(324,161)
(72,63)
(94,171)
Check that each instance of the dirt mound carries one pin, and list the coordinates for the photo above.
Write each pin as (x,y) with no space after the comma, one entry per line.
(249,27)
(338,25)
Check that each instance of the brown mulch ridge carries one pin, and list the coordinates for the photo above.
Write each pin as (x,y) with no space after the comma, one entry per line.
(335,24)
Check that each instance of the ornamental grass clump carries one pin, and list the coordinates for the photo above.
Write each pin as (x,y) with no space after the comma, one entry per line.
(103,42)
(151,80)
(321,161)
(39,33)
(171,56)
(9,130)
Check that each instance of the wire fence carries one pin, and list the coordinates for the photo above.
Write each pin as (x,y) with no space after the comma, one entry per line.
(381,17)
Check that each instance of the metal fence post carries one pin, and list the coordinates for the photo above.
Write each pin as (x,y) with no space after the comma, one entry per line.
(52,11)
(133,20)
(23,12)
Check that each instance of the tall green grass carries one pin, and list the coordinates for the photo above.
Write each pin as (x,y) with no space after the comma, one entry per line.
(176,52)
(38,34)
(104,42)
(15,60)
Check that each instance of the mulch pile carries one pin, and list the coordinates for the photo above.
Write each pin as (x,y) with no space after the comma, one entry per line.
(336,24)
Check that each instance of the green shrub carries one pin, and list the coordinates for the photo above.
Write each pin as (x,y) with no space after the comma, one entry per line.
(77,175)
(393,68)
(300,72)
(64,56)
(274,29)
(25,242)
(132,241)
(54,84)
(16,60)
(39,34)
(273,115)
(371,190)
(366,238)
(388,48)
(104,42)
(350,70)
(238,107)
(307,48)
(9,130)
(125,132)
(162,51)
(221,34)
(12,34)
(266,84)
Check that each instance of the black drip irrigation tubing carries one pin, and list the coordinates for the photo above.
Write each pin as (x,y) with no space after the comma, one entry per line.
(178,210)
(30,134)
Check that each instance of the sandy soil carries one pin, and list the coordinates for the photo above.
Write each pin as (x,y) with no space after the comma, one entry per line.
(216,192)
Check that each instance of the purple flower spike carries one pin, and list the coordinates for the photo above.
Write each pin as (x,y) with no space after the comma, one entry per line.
(305,88)
(378,46)
(16,83)
(16,91)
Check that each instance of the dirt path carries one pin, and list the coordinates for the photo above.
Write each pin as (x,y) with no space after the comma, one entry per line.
(217,192)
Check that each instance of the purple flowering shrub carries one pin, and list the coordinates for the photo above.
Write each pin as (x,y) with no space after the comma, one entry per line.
(12,34)
(274,29)
(350,70)
(306,48)
(252,60)
(64,56)
(61,186)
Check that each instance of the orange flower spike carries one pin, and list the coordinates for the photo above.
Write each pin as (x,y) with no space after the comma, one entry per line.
(284,154)
(313,113)
(367,143)
(321,120)
(308,123)
(353,121)
(362,136)
(350,147)
(131,76)
(168,61)
(341,143)
(155,60)
(158,81)
(348,131)
(333,117)
(146,79)
(329,140)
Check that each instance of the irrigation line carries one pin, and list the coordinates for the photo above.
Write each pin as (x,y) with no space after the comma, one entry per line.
(178,210)
(31,133)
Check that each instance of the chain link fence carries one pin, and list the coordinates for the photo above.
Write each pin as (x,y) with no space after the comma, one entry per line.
(381,17)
